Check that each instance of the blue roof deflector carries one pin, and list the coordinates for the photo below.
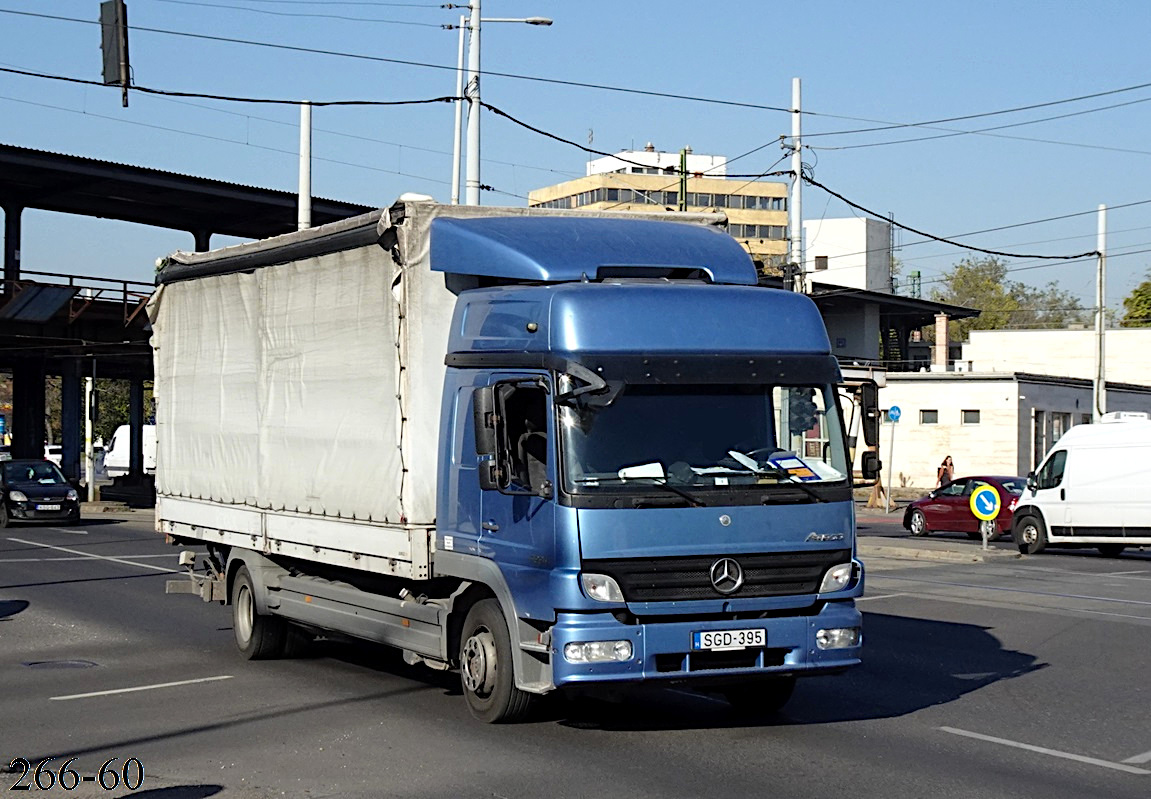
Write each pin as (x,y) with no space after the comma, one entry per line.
(562,249)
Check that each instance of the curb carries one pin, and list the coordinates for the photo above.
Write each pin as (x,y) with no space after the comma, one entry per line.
(948,555)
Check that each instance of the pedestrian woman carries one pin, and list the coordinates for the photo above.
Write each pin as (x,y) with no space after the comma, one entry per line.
(946,472)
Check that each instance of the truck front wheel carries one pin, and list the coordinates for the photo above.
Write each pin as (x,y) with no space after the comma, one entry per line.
(1030,535)
(258,637)
(486,670)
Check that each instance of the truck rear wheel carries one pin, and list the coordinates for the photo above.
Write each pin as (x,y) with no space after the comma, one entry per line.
(258,636)
(761,697)
(486,670)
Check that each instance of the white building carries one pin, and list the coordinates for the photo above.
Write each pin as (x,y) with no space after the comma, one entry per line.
(848,252)
(988,422)
(1061,352)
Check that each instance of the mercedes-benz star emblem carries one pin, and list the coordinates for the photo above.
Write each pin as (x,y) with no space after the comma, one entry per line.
(726,575)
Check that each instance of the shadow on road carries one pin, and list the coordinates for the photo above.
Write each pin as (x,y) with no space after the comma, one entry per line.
(10,607)
(908,665)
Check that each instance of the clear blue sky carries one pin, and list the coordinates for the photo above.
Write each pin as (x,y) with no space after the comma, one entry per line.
(903,61)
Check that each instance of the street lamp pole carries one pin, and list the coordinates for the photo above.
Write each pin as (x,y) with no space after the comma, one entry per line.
(456,142)
(471,93)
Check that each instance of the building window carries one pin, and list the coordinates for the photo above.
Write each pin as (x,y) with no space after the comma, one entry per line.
(971,417)
(820,263)
(1085,418)
(929,417)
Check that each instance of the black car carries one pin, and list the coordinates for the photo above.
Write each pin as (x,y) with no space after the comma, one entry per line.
(36,491)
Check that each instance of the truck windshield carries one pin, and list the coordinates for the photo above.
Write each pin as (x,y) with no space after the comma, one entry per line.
(703,437)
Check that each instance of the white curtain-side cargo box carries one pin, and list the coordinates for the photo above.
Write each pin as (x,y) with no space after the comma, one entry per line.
(298,382)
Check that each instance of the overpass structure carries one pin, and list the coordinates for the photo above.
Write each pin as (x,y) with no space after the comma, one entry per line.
(68,326)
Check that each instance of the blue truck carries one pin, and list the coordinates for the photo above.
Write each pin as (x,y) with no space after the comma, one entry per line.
(547,449)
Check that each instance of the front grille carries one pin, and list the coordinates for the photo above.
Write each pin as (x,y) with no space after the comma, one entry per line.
(712,661)
(685,578)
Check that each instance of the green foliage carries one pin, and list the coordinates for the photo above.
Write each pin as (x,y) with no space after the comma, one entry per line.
(1005,304)
(112,408)
(1137,306)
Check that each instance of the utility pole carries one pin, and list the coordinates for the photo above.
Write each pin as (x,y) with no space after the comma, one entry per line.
(683,179)
(1099,404)
(304,218)
(459,104)
(472,177)
(795,217)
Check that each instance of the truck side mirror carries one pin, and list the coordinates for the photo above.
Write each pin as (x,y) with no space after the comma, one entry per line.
(870,464)
(484,416)
(869,412)
(1031,484)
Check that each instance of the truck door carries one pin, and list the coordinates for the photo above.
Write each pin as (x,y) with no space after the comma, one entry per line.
(517,515)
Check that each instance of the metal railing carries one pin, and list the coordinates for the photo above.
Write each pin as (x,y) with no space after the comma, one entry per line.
(131,295)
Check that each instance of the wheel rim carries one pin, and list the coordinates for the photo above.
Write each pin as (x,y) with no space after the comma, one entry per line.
(917,523)
(1030,534)
(244,613)
(478,662)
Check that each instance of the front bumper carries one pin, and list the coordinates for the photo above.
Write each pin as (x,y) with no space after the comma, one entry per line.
(28,511)
(662,650)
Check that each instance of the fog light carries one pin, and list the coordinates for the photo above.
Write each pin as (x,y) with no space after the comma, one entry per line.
(838,638)
(836,579)
(598,652)
(601,587)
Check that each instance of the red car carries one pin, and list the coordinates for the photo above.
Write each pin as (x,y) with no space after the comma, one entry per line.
(948,509)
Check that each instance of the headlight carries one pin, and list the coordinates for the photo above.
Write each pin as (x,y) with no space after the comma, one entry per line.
(598,652)
(17,496)
(838,638)
(601,588)
(836,579)
(72,495)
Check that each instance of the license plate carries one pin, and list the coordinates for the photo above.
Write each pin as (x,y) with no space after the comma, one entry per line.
(717,640)
(47,507)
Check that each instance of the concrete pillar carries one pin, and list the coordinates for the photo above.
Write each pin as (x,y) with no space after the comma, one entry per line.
(28,409)
(71,419)
(203,240)
(136,420)
(941,352)
(11,243)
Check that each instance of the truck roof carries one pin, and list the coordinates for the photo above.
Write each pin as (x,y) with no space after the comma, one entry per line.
(570,248)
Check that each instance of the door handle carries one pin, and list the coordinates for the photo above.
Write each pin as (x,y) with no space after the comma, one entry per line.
(491,527)
(1063,493)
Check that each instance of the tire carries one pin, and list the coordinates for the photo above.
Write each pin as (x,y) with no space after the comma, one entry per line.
(1111,550)
(1030,535)
(917,523)
(486,671)
(761,697)
(4,520)
(258,636)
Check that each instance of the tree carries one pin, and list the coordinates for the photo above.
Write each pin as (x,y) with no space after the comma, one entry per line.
(1137,306)
(1004,304)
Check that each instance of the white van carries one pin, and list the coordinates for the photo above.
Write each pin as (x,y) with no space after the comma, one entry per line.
(118,453)
(1092,490)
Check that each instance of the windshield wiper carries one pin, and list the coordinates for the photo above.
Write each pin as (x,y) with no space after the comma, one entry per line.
(655,481)
(777,472)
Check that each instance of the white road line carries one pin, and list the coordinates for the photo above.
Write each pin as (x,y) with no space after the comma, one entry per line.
(1143,758)
(78,557)
(94,557)
(1053,752)
(140,688)
(865,598)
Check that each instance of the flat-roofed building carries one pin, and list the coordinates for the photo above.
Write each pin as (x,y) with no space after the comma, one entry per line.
(649,179)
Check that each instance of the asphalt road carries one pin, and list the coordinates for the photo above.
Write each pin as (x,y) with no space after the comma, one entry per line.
(1008,678)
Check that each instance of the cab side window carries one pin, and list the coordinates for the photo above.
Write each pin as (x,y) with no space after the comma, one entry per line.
(1051,474)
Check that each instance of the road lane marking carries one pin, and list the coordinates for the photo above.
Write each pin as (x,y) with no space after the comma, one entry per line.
(78,557)
(1005,589)
(141,688)
(1052,752)
(881,596)
(1143,758)
(94,557)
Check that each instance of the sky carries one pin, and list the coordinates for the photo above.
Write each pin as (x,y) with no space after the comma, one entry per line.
(614,75)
